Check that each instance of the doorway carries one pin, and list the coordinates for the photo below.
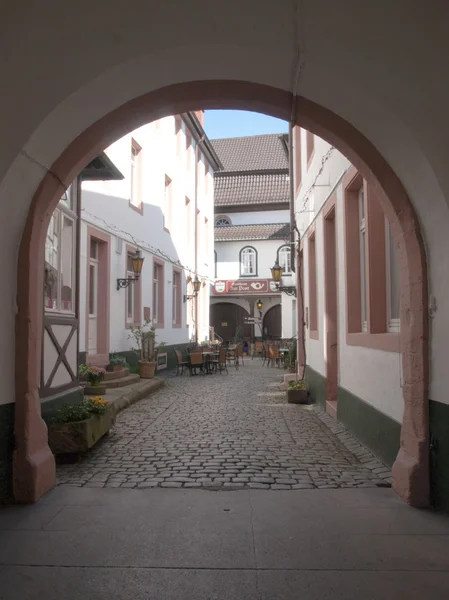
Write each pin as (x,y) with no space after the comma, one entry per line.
(93,298)
(331,311)
(97,297)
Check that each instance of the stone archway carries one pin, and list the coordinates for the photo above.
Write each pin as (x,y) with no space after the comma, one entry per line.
(34,470)
(272,323)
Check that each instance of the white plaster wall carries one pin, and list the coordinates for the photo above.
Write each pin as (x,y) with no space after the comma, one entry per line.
(105,205)
(373,375)
(228,258)
(257,217)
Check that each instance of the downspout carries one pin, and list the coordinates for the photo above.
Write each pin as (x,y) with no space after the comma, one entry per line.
(295,254)
(197,147)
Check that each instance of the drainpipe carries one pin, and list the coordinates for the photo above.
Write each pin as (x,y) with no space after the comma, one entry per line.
(197,149)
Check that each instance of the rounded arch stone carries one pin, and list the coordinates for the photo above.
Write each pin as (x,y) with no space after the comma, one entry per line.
(34,470)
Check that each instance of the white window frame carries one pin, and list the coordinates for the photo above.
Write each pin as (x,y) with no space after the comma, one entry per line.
(287,252)
(156,283)
(248,266)
(130,291)
(176,319)
(64,211)
(363,258)
(393,324)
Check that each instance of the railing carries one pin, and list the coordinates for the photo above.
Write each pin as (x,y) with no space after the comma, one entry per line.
(215,336)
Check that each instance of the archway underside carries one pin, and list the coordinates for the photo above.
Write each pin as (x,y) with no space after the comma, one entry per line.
(34,467)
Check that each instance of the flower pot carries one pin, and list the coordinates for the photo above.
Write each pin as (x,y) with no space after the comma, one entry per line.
(95,390)
(146,369)
(79,436)
(297,396)
(114,367)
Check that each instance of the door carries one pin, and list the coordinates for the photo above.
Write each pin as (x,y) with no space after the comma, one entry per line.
(331,314)
(93,298)
(272,323)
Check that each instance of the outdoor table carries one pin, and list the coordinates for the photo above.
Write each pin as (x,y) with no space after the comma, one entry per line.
(208,356)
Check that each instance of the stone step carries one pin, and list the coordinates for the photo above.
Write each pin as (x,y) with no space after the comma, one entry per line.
(109,375)
(121,381)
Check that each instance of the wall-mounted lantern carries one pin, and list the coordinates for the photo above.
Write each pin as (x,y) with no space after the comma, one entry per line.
(259,304)
(196,288)
(276,273)
(137,262)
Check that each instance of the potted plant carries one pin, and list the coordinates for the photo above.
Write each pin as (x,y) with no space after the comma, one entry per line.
(297,392)
(116,362)
(94,375)
(145,338)
(78,427)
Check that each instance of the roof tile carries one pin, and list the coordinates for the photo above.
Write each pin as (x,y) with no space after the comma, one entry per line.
(266,231)
(252,153)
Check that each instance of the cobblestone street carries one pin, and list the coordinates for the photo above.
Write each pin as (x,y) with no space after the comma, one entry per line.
(226,432)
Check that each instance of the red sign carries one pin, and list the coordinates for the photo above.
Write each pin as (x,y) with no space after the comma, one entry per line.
(245,286)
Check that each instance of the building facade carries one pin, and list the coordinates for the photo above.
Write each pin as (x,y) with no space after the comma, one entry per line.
(164,208)
(350,278)
(151,191)
(252,231)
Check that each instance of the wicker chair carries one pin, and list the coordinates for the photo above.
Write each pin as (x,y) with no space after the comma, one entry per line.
(196,363)
(221,363)
(180,362)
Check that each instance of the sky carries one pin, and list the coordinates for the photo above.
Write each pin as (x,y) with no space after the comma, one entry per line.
(236,123)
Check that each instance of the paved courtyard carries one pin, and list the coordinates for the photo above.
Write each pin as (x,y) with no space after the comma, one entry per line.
(226,432)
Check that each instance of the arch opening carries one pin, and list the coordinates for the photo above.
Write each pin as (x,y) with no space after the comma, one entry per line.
(34,470)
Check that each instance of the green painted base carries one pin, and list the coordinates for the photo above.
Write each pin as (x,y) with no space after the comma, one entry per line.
(50,405)
(439,455)
(376,431)
(317,387)
(6,450)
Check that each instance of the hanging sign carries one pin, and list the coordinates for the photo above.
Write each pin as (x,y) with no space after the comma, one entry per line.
(245,286)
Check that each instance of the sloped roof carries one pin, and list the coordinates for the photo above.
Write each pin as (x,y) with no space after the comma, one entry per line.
(267,231)
(252,153)
(241,189)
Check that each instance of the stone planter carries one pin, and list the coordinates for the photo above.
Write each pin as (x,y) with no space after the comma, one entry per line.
(146,369)
(114,367)
(95,390)
(297,396)
(79,436)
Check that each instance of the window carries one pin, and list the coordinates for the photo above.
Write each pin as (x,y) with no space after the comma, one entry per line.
(248,262)
(176,299)
(222,221)
(363,257)
(135,200)
(393,286)
(168,203)
(158,294)
(130,291)
(60,257)
(310,143)
(313,302)
(215,263)
(285,259)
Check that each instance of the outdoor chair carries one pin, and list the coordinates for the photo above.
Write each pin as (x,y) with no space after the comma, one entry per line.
(258,349)
(274,357)
(180,362)
(196,363)
(220,363)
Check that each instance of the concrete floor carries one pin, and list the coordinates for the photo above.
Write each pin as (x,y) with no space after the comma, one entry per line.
(98,538)
(184,544)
